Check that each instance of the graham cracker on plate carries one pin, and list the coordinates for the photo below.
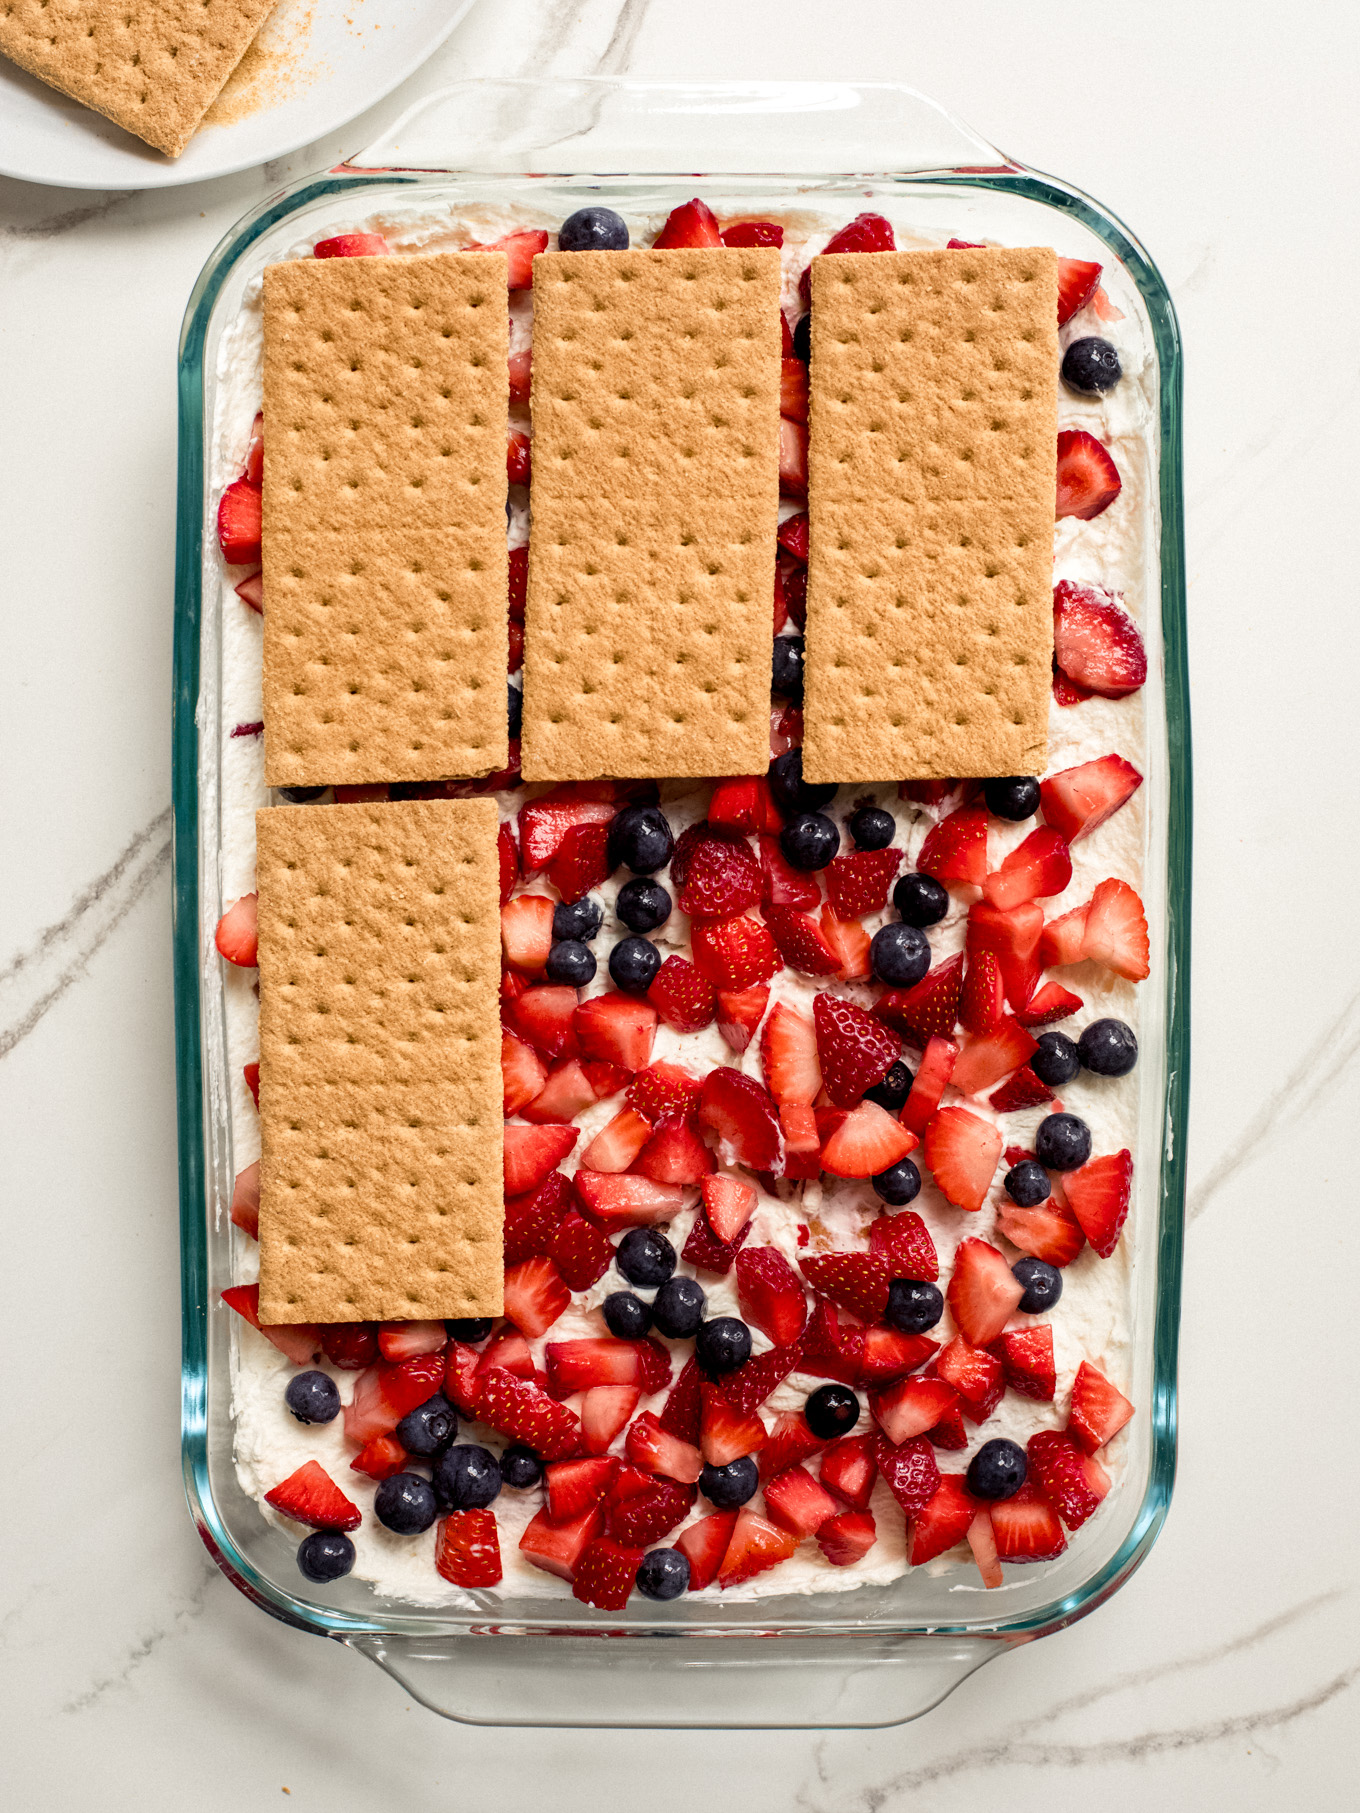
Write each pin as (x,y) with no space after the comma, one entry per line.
(380,1083)
(655,494)
(386,408)
(931,486)
(153,67)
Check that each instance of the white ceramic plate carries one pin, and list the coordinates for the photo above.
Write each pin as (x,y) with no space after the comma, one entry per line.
(315,65)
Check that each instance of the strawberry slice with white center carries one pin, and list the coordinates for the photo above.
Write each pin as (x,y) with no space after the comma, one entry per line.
(1077,281)
(955,850)
(977,1375)
(962,1151)
(728,1205)
(756,1545)
(849,1470)
(1078,800)
(572,1486)
(847,1537)
(245,1201)
(675,1153)
(526,932)
(929,1010)
(794,1499)
(380,1458)
(1026,1527)
(1052,1002)
(1048,1231)
(1058,1467)
(983,999)
(1099,1195)
(545,821)
(725,1432)
(867,1142)
(238,932)
(744,1118)
(617,1028)
(854,1050)
(557,1548)
(740,1012)
(567,1091)
(858,883)
(857,1282)
(683,996)
(1012,934)
(605,1410)
(1026,1356)
(403,1340)
(793,390)
(532,1152)
(928,1085)
(468,1549)
(802,1142)
(693,223)
(509,1351)
(579,1250)
(942,1522)
(789,1442)
(616,1202)
(311,1496)
(793,458)
(734,953)
(721,876)
(851,943)
(911,1407)
(650,1447)
(299,1340)
(1098,1411)
(520,251)
(769,1294)
(903,1242)
(989,1056)
(891,1355)
(240,517)
(535,1296)
(704,1544)
(1088,479)
(616,1145)
(982,1541)
(1096,644)
(788,1054)
(523,1073)
(1037,868)
(1064,939)
(352,245)
(1116,932)
(909,1470)
(983,1294)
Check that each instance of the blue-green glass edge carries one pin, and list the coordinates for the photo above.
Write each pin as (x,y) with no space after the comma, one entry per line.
(184,785)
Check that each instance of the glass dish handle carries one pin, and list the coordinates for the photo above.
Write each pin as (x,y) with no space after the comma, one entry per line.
(683,1683)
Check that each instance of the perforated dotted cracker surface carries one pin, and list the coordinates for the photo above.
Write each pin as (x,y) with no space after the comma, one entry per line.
(380,1085)
(154,67)
(386,407)
(931,487)
(655,495)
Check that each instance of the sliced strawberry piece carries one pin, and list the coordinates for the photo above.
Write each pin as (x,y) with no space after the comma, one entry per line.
(520,375)
(1058,1467)
(750,1385)
(251,592)
(383,1394)
(736,804)
(781,885)
(976,1374)
(380,1458)
(626,1201)
(858,883)
(617,1028)
(983,1294)
(1064,692)
(605,1410)
(617,1144)
(518,460)
(854,1050)
(461,1367)
(788,1055)
(245,1201)
(802,1141)
(237,936)
(311,1496)
(1099,1195)
(909,1470)
(520,251)
(693,223)
(1052,1002)
(530,1219)
(404,1340)
(721,877)
(983,1000)
(989,1056)
(950,1432)
(683,996)
(567,1091)
(1036,869)
(1077,280)
(518,583)
(846,1537)
(769,1294)
(572,1486)
(650,1447)
(890,1355)
(955,850)
(788,1442)
(239,518)
(726,1433)
(1077,800)
(755,1546)
(680,1414)
(851,943)
(1096,644)
(1116,932)
(468,1549)
(793,390)
(299,1340)
(867,1141)
(1048,1231)
(526,932)
(675,1154)
(580,862)
(1088,479)
(704,1544)
(795,1500)
(349,1345)
(728,1205)
(352,245)
(849,1470)
(793,458)
(923,1098)
(507,850)
(1023,1090)
(1098,1411)
(982,1541)
(734,953)
(1012,935)
(544,822)
(535,1296)
(523,1073)
(1064,938)
(650,1515)
(511,1352)
(911,1407)
(962,1151)
(857,1282)
(546,1016)
(1026,1356)
(1026,1528)
(655,1363)
(661,1091)
(557,1548)
(930,1010)
(518,1409)
(744,1118)
(903,1242)
(754,233)
(830,1350)
(942,1522)
(532,1152)
(793,536)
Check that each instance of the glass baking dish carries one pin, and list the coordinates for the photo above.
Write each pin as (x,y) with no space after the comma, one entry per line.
(876,1655)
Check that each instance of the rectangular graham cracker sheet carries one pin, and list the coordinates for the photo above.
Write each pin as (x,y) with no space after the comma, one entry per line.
(153,67)
(380,1085)
(931,484)
(386,409)
(655,494)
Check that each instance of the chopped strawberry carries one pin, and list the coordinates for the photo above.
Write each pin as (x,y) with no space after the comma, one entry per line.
(706,1253)
(650,1447)
(942,1522)
(956,849)
(1088,479)
(693,223)
(572,1486)
(680,1414)
(237,936)
(1023,1090)
(788,1442)
(674,1153)
(462,1364)
(526,932)
(1099,1195)
(728,1205)
(830,1350)
(854,1050)
(909,1470)
(1026,1528)
(923,1099)
(950,1431)
(869,1140)
(1077,800)
(1057,1466)
(1098,1411)
(517,1408)
(793,390)
(520,374)
(580,862)
(532,1152)
(755,1546)
(557,1548)
(750,1385)
(299,1340)
(1012,934)
(793,536)
(1064,938)
(962,1150)
(736,804)
(857,1282)
(468,1549)
(352,245)
(380,1458)
(802,1141)
(849,1470)
(721,877)
(510,1351)
(616,1145)
(545,821)
(239,517)
(734,953)
(1096,644)
(851,944)
(1026,1356)
(649,1515)
(976,1374)
(1049,1231)
(1077,280)
(1052,1002)
(743,1116)
(626,1201)
(782,885)
(983,999)
(726,1433)
(795,1499)
(655,1363)
(531,1218)
(858,883)
(404,1340)
(793,458)
(903,1242)
(753,233)
(251,592)
(1096,1477)
(245,1201)
(983,1294)
(523,1073)
(1064,692)
(890,1355)
(663,1090)
(311,1496)
(683,996)
(704,1544)
(989,1056)
(930,1010)
(349,1345)
(567,1090)
(507,851)
(605,1410)
(788,1055)
(1116,932)
(770,1295)
(617,1028)
(518,460)
(535,1296)
(1037,868)
(520,251)
(982,1541)
(847,1537)
(519,583)
(912,1406)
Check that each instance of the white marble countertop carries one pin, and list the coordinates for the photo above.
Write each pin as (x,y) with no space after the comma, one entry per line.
(1225,1673)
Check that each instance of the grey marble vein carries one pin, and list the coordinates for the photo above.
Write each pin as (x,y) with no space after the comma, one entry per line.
(37,978)
(52,226)
(147,1646)
(560,22)
(619,50)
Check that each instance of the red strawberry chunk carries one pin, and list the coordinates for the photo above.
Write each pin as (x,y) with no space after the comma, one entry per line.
(557,1548)
(930,1010)
(693,223)
(769,1294)
(654,1450)
(1026,1528)
(649,1515)
(520,250)
(518,460)
(962,1151)
(704,1544)
(509,1351)
(910,1471)
(1096,644)
(545,822)
(616,1028)
(349,1345)
(380,1458)
(1078,800)
(706,1253)
(1012,934)
(726,1433)
(572,1486)
(989,1056)
(535,1296)
(580,1251)
(462,1366)
(911,1407)
(1058,1467)
(949,1432)
(532,1152)
(851,943)
(857,1282)
(1037,868)
(239,519)
(1077,281)
(664,1090)
(848,1469)
(744,1118)
(1064,692)
(781,885)
(903,1242)
(311,1496)
(605,1410)
(507,851)
(518,1409)
(251,592)
(793,390)
(675,1154)
(795,1500)
(1099,1195)
(942,1522)
(866,1142)
(734,954)
(1051,1003)
(468,1549)
(982,1541)
(737,805)
(788,1055)
(1049,1231)
(1026,1356)
(351,245)
(1088,479)
(802,1141)
(793,536)
(927,1087)
(531,1219)
(1023,1090)
(854,1050)
(580,863)
(1116,932)
(858,883)
(237,935)
(976,1374)
(1098,1411)
(728,1205)
(1064,938)
(683,996)
(865,233)
(245,1200)
(403,1340)
(983,1000)
(788,1442)
(682,1411)
(830,1351)
(801,942)
(546,1016)
(955,850)
(624,1201)
(793,458)
(299,1340)
(747,1388)
(523,1073)
(755,1546)
(889,1355)
(846,1537)
(721,877)
(753,233)
(983,1293)
(526,932)
(617,1144)
(655,1364)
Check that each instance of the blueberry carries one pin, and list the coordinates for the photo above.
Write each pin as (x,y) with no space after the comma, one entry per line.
(471,1329)
(802,339)
(645,1257)
(899,1184)
(831,1410)
(300,796)
(1091,366)
(405,1504)
(920,899)
(571,963)
(639,839)
(722,1345)
(579,921)
(429,1428)
(643,905)
(312,1397)
(899,955)
(791,792)
(1108,1048)
(809,841)
(1027,1183)
(913,1305)
(786,675)
(730,1485)
(325,1555)
(514,708)
(633,963)
(1015,796)
(663,1574)
(520,1467)
(593,230)
(626,1316)
(466,1478)
(872,828)
(997,1470)
(1063,1142)
(893,1091)
(1056,1060)
(1043,1285)
(678,1308)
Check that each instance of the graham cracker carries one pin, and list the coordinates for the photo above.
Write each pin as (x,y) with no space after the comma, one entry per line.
(931,487)
(380,1087)
(153,67)
(386,408)
(655,495)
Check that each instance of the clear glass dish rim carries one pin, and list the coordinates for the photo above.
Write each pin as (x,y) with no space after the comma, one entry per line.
(1008,178)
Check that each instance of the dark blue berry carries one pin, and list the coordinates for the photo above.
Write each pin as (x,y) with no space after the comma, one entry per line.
(1027,1183)
(920,899)
(325,1555)
(786,674)
(1063,1142)
(872,828)
(639,839)
(791,792)
(893,1091)
(471,1329)
(405,1504)
(730,1485)
(633,964)
(899,955)
(571,963)
(643,905)
(1108,1048)
(626,1316)
(1043,1285)
(1015,796)
(663,1574)
(520,1467)
(466,1477)
(913,1305)
(678,1308)
(593,230)
(1056,1060)
(997,1470)
(514,708)
(578,920)
(312,1397)
(645,1257)
(809,841)
(899,1184)
(300,796)
(1091,366)
(722,1344)
(830,1411)
(429,1428)
(802,338)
